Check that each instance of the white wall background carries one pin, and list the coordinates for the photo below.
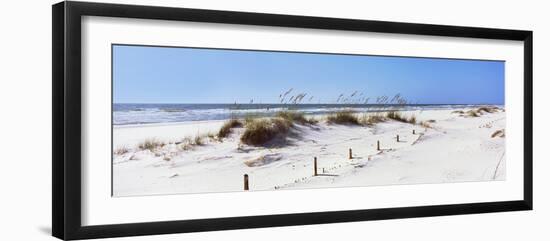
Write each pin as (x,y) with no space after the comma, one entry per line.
(25,123)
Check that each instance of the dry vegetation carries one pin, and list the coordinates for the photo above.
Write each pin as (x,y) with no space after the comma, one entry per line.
(478,112)
(499,133)
(261,131)
(472,113)
(295,117)
(426,124)
(372,119)
(150,144)
(344,117)
(188,142)
(488,109)
(121,150)
(228,126)
(397,116)
(198,140)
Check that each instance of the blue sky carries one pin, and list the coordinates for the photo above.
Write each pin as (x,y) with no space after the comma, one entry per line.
(143,74)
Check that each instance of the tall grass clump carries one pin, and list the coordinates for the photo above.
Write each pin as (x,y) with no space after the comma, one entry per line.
(227,127)
(472,113)
(487,109)
(412,119)
(479,111)
(261,131)
(295,117)
(346,117)
(397,116)
(121,150)
(372,119)
(498,133)
(150,144)
(198,140)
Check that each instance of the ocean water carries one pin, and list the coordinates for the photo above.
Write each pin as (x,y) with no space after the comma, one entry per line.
(131,114)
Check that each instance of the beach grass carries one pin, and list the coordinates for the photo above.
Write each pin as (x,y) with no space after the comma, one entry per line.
(412,120)
(344,117)
(295,117)
(487,109)
(150,144)
(227,127)
(121,150)
(261,131)
(189,142)
(372,119)
(312,120)
(498,133)
(398,116)
(478,111)
(426,124)
(472,113)
(198,140)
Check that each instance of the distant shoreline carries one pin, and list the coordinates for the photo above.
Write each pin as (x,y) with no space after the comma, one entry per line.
(161,114)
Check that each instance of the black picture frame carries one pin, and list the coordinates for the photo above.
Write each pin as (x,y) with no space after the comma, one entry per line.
(66,127)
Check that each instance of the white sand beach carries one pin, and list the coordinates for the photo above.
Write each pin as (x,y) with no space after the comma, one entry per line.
(454,148)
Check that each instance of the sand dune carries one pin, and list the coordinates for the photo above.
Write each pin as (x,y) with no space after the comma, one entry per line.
(457,148)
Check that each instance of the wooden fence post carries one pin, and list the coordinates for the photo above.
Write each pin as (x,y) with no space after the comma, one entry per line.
(315,166)
(350,154)
(378,145)
(246,182)
(397,138)
(413,132)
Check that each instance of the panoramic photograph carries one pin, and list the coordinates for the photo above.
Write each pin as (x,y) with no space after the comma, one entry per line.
(199,120)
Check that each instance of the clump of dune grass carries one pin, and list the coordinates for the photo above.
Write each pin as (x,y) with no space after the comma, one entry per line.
(488,109)
(472,113)
(188,142)
(312,120)
(228,126)
(345,117)
(372,119)
(412,119)
(458,112)
(397,116)
(426,124)
(478,111)
(150,144)
(121,150)
(261,131)
(198,140)
(295,117)
(498,133)
(186,146)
